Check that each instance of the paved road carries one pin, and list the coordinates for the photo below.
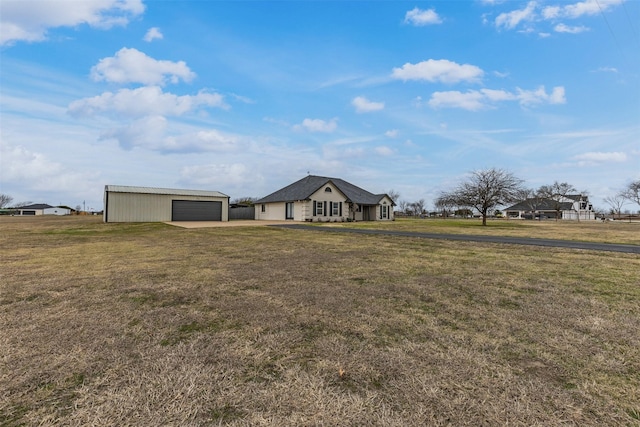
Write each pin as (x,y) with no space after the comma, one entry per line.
(591,246)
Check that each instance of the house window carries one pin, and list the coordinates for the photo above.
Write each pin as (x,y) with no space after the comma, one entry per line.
(289,210)
(335,209)
(263,208)
(319,209)
(384,212)
(327,190)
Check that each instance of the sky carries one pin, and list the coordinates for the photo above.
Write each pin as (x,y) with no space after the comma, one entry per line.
(245,97)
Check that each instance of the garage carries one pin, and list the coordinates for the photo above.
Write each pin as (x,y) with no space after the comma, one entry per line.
(196,210)
(150,204)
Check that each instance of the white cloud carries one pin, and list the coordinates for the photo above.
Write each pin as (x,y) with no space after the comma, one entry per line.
(30,20)
(317,125)
(475,100)
(152,133)
(562,28)
(152,34)
(588,7)
(421,17)
(39,173)
(598,157)
(363,105)
(511,20)
(383,151)
(205,140)
(551,12)
(497,95)
(607,70)
(144,101)
(392,133)
(442,70)
(472,100)
(133,66)
(221,175)
(147,132)
(538,96)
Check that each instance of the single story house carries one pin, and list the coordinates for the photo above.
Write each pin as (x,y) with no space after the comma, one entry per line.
(571,207)
(40,209)
(149,204)
(323,199)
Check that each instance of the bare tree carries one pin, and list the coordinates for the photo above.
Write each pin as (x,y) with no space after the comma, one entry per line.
(557,193)
(5,200)
(403,205)
(394,195)
(445,203)
(486,189)
(632,192)
(418,207)
(616,202)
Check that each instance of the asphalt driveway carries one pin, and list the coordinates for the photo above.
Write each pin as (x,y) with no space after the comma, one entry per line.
(570,244)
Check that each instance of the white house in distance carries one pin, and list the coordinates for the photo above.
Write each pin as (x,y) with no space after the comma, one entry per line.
(41,209)
(571,207)
(323,199)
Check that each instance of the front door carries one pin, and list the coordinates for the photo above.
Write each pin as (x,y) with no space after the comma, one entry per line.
(289,210)
(366,213)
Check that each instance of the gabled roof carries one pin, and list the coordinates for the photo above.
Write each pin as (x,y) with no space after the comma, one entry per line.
(154,190)
(540,205)
(304,188)
(36,206)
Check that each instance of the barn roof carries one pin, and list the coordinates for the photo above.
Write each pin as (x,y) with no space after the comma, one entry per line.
(155,190)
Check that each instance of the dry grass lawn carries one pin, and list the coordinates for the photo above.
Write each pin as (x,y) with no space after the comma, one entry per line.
(587,231)
(149,324)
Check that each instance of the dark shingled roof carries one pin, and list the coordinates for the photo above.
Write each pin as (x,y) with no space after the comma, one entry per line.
(37,206)
(540,205)
(304,188)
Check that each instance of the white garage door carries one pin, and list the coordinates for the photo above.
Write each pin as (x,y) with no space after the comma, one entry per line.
(196,210)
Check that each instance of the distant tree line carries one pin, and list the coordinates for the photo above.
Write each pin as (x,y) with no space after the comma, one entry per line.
(486,190)
(482,190)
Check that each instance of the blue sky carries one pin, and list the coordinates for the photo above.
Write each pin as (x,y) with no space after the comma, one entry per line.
(244,97)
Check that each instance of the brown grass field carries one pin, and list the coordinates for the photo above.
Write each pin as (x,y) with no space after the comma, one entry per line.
(149,324)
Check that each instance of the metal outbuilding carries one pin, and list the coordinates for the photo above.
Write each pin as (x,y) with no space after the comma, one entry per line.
(148,204)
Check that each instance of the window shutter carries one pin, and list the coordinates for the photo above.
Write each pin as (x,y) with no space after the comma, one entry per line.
(340,208)
(314,207)
(330,208)
(324,211)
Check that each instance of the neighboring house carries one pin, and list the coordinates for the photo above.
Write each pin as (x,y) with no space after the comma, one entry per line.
(41,209)
(571,207)
(318,198)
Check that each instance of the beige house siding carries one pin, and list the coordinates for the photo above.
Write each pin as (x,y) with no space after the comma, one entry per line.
(140,207)
(323,199)
(272,211)
(385,204)
(303,209)
(328,196)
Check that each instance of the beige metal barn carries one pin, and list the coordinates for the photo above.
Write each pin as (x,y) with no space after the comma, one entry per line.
(148,204)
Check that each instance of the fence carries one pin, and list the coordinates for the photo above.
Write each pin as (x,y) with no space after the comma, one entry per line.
(242,212)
